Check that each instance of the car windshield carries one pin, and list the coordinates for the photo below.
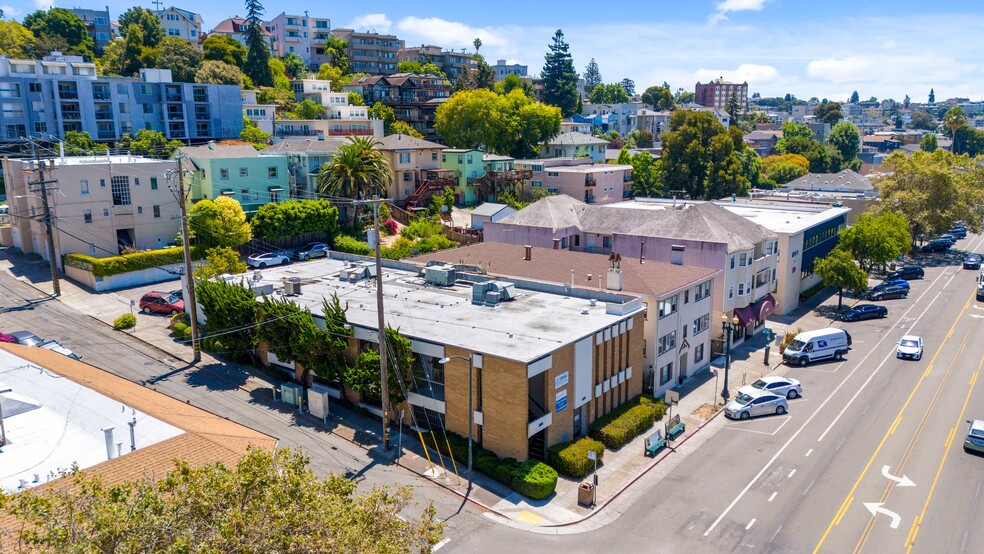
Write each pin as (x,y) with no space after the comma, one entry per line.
(760,384)
(173,298)
(909,343)
(743,398)
(796,345)
(979,433)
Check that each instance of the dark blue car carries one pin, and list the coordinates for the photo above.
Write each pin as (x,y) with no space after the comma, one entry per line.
(891,283)
(864,311)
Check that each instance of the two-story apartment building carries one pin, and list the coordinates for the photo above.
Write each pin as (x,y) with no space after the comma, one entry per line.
(299,34)
(574,145)
(237,171)
(304,159)
(58,94)
(502,69)
(236,27)
(262,114)
(452,63)
(97,24)
(183,24)
(372,53)
(677,299)
(593,183)
(417,171)
(100,205)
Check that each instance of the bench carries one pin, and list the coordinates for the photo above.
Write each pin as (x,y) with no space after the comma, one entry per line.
(674,427)
(654,442)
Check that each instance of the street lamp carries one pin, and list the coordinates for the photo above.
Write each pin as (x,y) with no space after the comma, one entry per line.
(471,412)
(728,327)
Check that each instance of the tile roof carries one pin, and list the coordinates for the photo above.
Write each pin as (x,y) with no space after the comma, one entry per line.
(406,142)
(653,279)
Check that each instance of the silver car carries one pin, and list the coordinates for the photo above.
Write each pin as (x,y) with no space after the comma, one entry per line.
(975,436)
(745,405)
(781,386)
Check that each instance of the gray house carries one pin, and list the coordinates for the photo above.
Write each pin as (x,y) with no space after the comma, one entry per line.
(489,212)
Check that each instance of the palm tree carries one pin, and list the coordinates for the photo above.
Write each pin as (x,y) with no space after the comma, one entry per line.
(954,119)
(356,170)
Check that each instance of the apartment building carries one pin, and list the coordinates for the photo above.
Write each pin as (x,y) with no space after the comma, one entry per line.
(236,27)
(417,170)
(573,145)
(414,98)
(101,205)
(304,160)
(237,171)
(371,53)
(345,121)
(98,24)
(261,114)
(452,63)
(621,118)
(547,360)
(183,24)
(717,94)
(502,69)
(482,177)
(299,34)
(580,178)
(58,94)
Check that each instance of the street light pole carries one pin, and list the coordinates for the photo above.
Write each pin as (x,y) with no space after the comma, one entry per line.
(728,327)
(471,410)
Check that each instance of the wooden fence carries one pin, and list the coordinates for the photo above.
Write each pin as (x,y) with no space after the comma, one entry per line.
(461,236)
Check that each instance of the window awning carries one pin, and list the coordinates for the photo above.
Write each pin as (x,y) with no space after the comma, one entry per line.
(275,189)
(746,315)
(764,307)
(228,192)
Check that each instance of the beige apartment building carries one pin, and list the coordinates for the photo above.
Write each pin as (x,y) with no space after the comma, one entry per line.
(99,205)
(416,165)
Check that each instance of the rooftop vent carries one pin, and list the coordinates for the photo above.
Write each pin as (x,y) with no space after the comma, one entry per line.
(490,293)
(358,271)
(440,275)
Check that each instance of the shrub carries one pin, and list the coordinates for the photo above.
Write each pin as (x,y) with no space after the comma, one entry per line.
(187,333)
(422,228)
(627,421)
(180,317)
(345,243)
(125,321)
(116,265)
(179,329)
(571,458)
(391,226)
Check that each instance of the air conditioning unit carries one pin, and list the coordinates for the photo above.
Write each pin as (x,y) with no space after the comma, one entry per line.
(292,286)
(440,275)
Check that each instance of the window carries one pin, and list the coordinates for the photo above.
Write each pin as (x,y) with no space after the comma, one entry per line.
(606,242)
(223,173)
(742,259)
(741,289)
(676,255)
(667,307)
(87,216)
(731,291)
(40,127)
(153,183)
(405,158)
(434,155)
(732,261)
(105,212)
(702,323)
(665,373)
(139,210)
(703,291)
(34,87)
(686,297)
(407,177)
(136,181)
(243,172)
(84,183)
(244,194)
(272,172)
(274,197)
(148,108)
(121,190)
(667,342)
(698,353)
(157,212)
(102,182)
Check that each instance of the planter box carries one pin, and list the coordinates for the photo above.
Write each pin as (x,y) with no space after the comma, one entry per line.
(124,280)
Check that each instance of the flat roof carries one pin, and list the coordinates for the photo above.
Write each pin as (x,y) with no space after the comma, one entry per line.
(525,329)
(774,217)
(94,160)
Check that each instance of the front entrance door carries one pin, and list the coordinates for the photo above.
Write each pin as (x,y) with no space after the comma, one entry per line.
(578,432)
(682,374)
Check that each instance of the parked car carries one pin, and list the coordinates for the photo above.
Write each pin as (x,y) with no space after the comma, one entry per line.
(268,259)
(891,283)
(782,386)
(972,261)
(907,273)
(911,347)
(889,293)
(948,237)
(56,346)
(975,436)
(178,292)
(937,245)
(27,338)
(820,344)
(745,406)
(865,311)
(161,303)
(313,250)
(958,231)
(4,337)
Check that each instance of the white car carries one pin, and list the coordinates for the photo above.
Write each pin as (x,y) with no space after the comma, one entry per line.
(911,347)
(781,386)
(270,258)
(760,403)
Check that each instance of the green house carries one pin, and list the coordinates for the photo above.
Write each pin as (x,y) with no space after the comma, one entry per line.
(238,171)
(470,167)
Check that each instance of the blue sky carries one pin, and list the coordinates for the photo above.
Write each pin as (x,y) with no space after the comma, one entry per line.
(880,48)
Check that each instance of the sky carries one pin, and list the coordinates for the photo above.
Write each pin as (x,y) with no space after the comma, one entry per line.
(880,48)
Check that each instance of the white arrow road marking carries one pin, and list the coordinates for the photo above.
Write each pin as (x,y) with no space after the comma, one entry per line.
(975,316)
(875,507)
(978,307)
(901,481)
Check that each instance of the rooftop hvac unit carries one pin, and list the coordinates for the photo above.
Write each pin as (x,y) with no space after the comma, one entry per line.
(292,286)
(290,393)
(506,291)
(490,293)
(440,275)
(358,271)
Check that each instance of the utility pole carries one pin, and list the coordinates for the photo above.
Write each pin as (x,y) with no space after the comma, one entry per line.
(383,382)
(42,190)
(190,304)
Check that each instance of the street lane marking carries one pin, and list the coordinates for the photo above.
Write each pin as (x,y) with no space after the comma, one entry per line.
(771,498)
(808,487)
(750,523)
(900,481)
(791,473)
(912,529)
(808,452)
(895,424)
(773,537)
(876,508)
(739,427)
(843,510)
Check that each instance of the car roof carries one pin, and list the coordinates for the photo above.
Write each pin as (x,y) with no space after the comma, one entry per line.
(977,425)
(775,379)
(23,335)
(911,337)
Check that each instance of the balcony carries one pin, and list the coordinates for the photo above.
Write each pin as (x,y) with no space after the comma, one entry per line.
(68,94)
(72,115)
(201,98)
(201,117)
(106,135)
(101,95)
(348,132)
(104,116)
(173,98)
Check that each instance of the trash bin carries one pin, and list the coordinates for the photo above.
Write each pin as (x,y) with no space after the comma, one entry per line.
(586,494)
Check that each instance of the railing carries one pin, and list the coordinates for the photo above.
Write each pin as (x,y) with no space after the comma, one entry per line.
(71,115)
(68,94)
(173,98)
(106,135)
(100,96)
(104,116)
(201,117)
(201,98)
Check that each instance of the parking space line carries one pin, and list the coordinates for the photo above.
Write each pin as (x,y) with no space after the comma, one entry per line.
(737,427)
(791,473)
(808,452)
(771,498)
(750,523)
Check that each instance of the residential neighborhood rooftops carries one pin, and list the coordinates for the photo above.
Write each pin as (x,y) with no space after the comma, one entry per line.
(406,142)
(95,160)
(525,329)
(212,150)
(305,145)
(770,218)
(489,209)
(845,181)
(575,138)
(651,278)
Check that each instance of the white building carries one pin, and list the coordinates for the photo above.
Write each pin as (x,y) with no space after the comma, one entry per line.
(183,24)
(301,35)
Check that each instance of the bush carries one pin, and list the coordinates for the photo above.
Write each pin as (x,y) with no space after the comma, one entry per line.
(422,228)
(391,226)
(180,317)
(179,329)
(187,333)
(345,243)
(116,265)
(627,421)
(571,458)
(125,321)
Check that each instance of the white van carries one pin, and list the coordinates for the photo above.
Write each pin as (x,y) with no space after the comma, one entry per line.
(817,345)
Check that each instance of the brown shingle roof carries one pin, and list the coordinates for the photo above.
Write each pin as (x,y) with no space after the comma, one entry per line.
(405,142)
(654,279)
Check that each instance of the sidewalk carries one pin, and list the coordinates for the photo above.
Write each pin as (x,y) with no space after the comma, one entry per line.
(559,514)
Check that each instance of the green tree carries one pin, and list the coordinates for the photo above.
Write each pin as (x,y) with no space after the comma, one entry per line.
(80,143)
(477,77)
(847,139)
(364,376)
(278,69)
(309,109)
(592,76)
(294,218)
(751,165)
(149,143)
(828,112)
(700,156)
(328,72)
(151,31)
(854,97)
(355,99)
(928,143)
(283,99)
(222,48)
(559,78)
(794,133)
(512,124)
(683,97)
(219,222)
(838,269)
(180,57)
(608,94)
(784,172)
(932,96)
(628,85)
(221,260)
(660,98)
(734,107)
(295,66)
(647,175)
(922,120)
(46,43)
(356,170)
(230,312)
(131,59)
(953,119)
(967,140)
(512,82)
(337,51)
(427,68)
(16,40)
(59,22)
(219,73)
(257,52)
(385,113)
(404,128)
(876,240)
(254,135)
(931,190)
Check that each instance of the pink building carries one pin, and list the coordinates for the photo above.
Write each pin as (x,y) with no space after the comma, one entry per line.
(580,178)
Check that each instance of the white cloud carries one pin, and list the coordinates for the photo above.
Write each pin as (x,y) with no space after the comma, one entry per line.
(889,44)
(42,4)
(754,74)
(887,69)
(370,21)
(739,5)
(449,34)
(11,12)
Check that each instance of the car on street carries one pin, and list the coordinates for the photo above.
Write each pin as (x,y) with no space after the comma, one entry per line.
(313,250)
(156,302)
(891,283)
(268,259)
(907,273)
(56,346)
(4,337)
(865,311)
(778,385)
(975,436)
(909,347)
(937,245)
(958,231)
(948,237)
(887,293)
(745,405)
(178,292)
(27,338)
(972,261)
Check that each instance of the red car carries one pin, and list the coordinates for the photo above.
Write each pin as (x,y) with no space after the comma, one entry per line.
(7,338)
(162,303)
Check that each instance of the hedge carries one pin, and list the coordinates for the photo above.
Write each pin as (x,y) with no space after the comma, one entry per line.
(117,265)
(628,421)
(532,479)
(179,329)
(345,243)
(571,458)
